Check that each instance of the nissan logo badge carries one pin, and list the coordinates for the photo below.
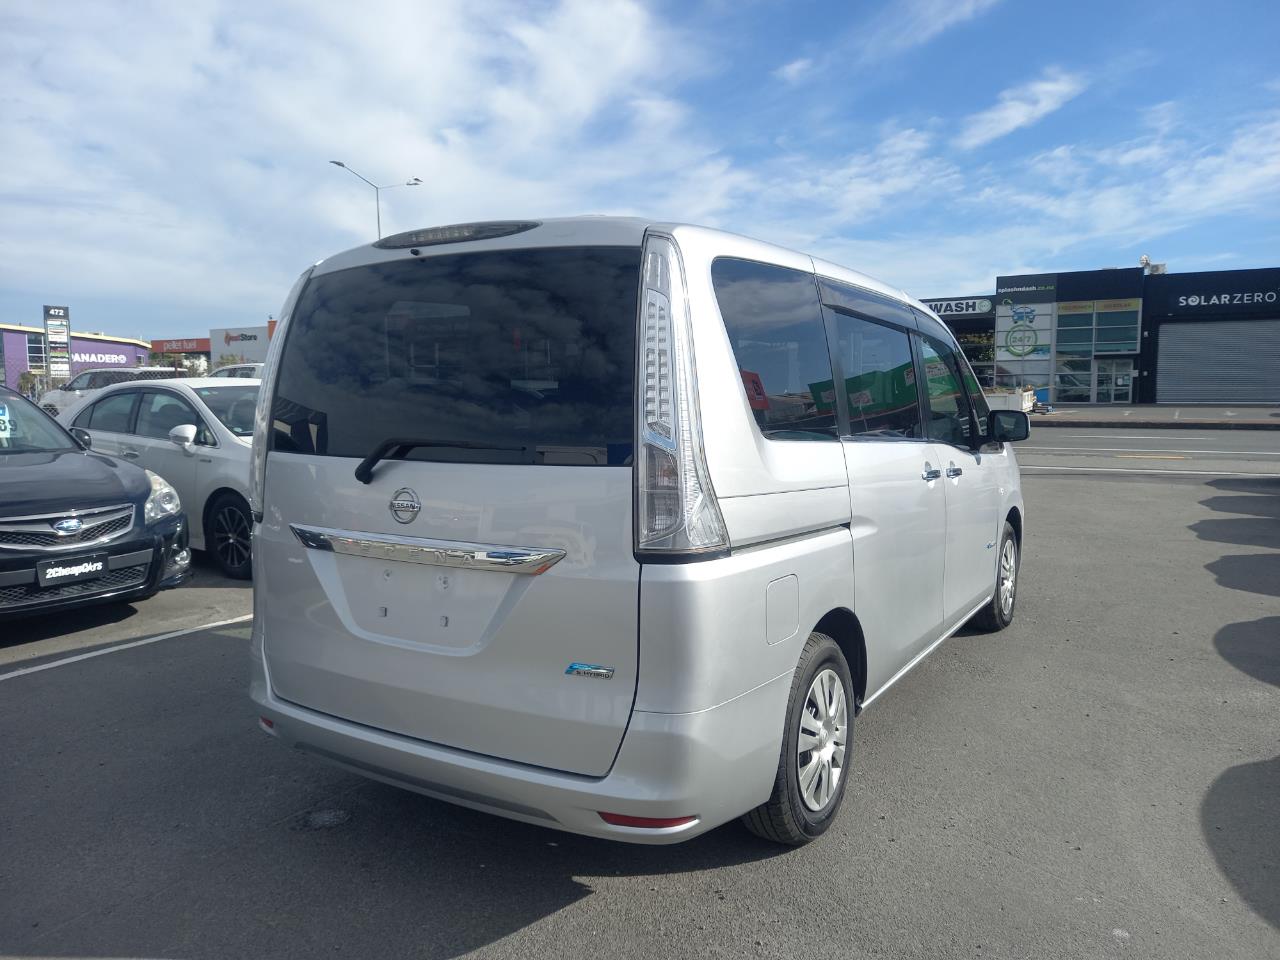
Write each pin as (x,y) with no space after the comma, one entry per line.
(405,506)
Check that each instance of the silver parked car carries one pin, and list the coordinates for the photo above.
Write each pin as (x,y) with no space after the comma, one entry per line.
(87,383)
(614,526)
(237,370)
(196,434)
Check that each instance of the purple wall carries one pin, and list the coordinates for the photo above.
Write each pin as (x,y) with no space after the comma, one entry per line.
(103,353)
(91,354)
(15,356)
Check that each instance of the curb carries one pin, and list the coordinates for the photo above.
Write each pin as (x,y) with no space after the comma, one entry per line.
(1043,421)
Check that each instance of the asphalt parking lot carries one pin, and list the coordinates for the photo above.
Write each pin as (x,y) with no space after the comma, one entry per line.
(1100,780)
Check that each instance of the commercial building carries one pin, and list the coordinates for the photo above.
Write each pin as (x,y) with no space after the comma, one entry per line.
(1125,336)
(22,350)
(224,345)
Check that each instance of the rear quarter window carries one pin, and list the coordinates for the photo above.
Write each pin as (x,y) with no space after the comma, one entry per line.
(774,322)
(509,356)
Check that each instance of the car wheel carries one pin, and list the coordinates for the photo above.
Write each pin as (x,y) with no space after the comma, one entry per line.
(229,536)
(998,614)
(816,748)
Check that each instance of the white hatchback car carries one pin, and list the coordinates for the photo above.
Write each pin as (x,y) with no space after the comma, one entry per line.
(614,526)
(195,433)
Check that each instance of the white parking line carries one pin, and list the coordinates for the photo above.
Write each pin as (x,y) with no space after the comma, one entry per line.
(1225,453)
(1175,473)
(120,646)
(1133,436)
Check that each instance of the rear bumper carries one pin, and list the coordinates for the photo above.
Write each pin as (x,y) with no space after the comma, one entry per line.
(714,765)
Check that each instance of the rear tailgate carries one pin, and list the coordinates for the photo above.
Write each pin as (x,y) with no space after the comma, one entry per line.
(399,603)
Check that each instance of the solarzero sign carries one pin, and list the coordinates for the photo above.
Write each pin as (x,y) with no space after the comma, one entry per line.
(1226,299)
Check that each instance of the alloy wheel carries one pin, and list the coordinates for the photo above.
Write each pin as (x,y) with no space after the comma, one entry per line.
(231,535)
(820,749)
(1008,576)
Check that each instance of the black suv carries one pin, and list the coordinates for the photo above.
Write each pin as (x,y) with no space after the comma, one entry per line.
(76,527)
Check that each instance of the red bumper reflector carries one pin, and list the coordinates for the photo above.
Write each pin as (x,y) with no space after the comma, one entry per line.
(653,823)
(266,722)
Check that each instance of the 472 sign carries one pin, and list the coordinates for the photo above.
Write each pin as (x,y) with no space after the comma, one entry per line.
(57,342)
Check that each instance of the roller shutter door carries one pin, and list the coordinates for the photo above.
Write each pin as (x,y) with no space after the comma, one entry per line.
(1226,361)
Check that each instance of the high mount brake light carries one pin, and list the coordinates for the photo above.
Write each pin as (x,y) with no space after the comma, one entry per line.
(455,233)
(676,506)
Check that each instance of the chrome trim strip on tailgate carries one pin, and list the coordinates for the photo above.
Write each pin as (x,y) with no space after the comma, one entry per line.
(440,553)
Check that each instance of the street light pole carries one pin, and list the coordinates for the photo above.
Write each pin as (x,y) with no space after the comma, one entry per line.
(377,190)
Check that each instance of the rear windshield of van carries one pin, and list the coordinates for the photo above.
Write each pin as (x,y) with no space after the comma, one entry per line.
(507,356)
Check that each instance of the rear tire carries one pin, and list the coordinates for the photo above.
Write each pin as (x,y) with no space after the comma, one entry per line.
(228,534)
(816,748)
(998,614)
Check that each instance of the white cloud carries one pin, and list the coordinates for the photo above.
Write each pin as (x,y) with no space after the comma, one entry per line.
(175,160)
(1021,106)
(178,155)
(794,71)
(903,24)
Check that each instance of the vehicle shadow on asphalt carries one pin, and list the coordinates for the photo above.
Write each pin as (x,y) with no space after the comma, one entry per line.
(63,622)
(205,574)
(1241,809)
(167,829)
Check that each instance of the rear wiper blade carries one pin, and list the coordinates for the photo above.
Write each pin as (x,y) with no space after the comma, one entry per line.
(364,472)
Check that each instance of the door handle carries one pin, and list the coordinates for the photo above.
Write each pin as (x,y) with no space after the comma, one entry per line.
(953,471)
(930,473)
(129,454)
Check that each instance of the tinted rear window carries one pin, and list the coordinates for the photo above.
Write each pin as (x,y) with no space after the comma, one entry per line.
(524,356)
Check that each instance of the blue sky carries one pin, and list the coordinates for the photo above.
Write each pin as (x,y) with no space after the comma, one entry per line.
(165,165)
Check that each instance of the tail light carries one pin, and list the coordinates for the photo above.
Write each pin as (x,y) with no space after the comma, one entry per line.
(676,508)
(266,397)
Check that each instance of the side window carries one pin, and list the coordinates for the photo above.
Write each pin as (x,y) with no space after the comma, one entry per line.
(82,418)
(97,380)
(879,378)
(774,323)
(161,412)
(113,413)
(948,418)
(79,383)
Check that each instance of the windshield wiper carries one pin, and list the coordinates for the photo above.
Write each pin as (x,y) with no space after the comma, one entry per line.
(364,472)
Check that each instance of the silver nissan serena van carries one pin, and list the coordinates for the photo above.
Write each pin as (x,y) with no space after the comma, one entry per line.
(614,526)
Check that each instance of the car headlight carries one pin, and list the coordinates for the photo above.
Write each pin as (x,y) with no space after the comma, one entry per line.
(163,501)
